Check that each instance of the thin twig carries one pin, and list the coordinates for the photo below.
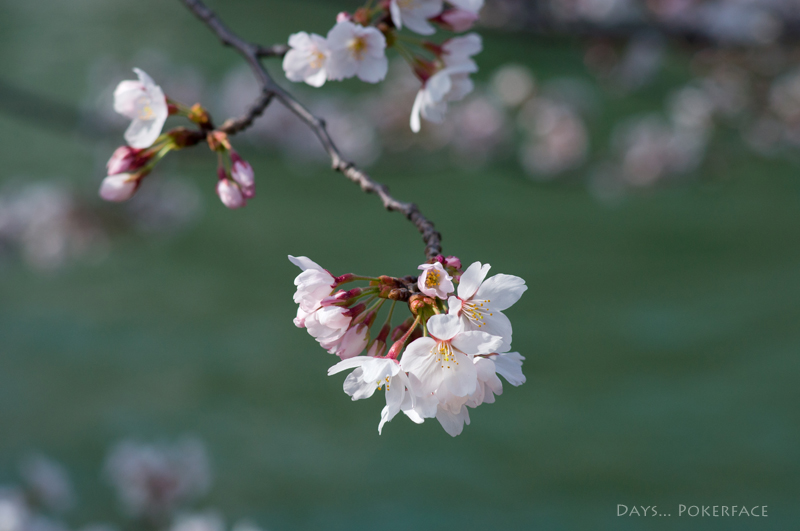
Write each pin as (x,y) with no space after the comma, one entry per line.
(253,53)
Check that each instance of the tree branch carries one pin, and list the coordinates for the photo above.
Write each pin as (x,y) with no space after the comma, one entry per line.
(253,53)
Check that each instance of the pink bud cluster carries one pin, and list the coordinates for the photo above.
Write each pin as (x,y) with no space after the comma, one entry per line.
(436,362)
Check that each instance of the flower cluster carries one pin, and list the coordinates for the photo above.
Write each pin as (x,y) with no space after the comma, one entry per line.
(444,358)
(356,47)
(145,104)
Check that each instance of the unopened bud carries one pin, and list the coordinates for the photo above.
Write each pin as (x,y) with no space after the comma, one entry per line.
(120,187)
(344,16)
(452,261)
(125,159)
(357,310)
(230,194)
(419,301)
(242,173)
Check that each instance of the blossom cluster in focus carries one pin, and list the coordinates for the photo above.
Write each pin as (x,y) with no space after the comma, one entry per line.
(436,363)
(356,47)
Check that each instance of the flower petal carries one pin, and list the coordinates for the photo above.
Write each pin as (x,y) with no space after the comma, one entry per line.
(509,366)
(444,327)
(471,280)
(460,376)
(501,290)
(304,263)
(474,342)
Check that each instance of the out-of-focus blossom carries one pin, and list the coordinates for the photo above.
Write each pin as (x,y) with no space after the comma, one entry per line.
(48,483)
(356,51)
(307,59)
(145,104)
(513,84)
(557,139)
(451,83)
(473,6)
(205,521)
(48,225)
(414,14)
(457,20)
(153,480)
(14,513)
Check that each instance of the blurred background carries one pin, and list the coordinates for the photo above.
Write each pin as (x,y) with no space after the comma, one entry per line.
(635,162)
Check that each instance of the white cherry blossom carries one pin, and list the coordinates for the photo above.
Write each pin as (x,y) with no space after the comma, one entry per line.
(372,374)
(480,303)
(356,51)
(443,362)
(145,104)
(307,59)
(434,281)
(415,14)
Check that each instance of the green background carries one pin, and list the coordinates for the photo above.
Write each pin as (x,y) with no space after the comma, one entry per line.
(661,333)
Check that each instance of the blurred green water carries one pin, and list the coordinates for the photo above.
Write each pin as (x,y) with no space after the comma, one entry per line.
(661,333)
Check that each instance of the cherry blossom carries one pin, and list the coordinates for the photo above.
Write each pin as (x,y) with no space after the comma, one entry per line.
(415,14)
(145,104)
(356,51)
(480,303)
(372,374)
(307,59)
(434,281)
(444,360)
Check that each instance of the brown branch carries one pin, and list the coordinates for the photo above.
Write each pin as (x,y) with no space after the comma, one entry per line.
(253,53)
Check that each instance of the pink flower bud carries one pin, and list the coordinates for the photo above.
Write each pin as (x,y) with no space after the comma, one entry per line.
(125,159)
(344,16)
(452,261)
(458,20)
(242,173)
(230,194)
(120,187)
